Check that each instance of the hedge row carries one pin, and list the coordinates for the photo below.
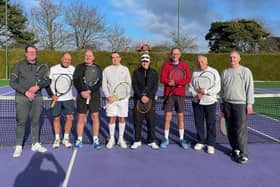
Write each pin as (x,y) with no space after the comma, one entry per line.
(264,66)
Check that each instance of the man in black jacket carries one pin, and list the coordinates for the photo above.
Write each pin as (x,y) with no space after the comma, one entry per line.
(87,93)
(145,85)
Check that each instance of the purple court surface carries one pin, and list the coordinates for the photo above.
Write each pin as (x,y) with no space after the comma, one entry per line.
(172,167)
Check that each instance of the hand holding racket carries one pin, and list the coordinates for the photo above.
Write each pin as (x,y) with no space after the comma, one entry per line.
(120,92)
(91,77)
(41,75)
(63,85)
(144,106)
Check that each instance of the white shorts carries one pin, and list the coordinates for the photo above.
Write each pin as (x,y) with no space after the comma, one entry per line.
(118,109)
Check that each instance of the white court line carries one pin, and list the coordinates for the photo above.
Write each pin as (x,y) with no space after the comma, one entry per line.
(70,167)
(7,93)
(265,135)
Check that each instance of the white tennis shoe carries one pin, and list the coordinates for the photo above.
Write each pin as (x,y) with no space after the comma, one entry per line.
(18,151)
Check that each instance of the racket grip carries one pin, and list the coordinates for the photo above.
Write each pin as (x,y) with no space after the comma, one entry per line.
(53,103)
(87,102)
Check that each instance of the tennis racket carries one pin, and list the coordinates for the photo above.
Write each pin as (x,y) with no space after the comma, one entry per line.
(222,125)
(41,75)
(206,80)
(91,77)
(176,74)
(120,92)
(143,107)
(62,86)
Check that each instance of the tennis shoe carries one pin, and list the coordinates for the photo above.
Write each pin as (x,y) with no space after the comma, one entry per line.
(164,143)
(18,151)
(198,147)
(66,143)
(96,144)
(153,145)
(136,145)
(235,155)
(56,143)
(78,144)
(37,147)
(122,143)
(183,143)
(210,150)
(110,143)
(242,160)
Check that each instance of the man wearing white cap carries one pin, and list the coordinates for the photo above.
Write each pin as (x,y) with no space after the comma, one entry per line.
(145,85)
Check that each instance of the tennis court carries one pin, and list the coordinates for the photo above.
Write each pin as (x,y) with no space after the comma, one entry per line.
(144,167)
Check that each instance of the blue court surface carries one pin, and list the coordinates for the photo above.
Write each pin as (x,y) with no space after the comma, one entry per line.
(145,167)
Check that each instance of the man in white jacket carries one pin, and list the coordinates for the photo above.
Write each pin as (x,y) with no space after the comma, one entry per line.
(113,75)
(205,86)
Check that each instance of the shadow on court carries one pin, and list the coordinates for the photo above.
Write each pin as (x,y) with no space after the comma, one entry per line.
(35,174)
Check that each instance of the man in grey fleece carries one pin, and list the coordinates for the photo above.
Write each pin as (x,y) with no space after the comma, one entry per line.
(237,94)
(28,97)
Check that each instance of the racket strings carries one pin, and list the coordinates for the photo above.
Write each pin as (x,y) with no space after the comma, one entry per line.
(177,74)
(206,80)
(121,91)
(91,75)
(63,85)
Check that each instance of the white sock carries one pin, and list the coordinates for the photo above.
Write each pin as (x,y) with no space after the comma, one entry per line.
(57,137)
(181,134)
(166,134)
(112,129)
(66,136)
(95,138)
(121,129)
(80,138)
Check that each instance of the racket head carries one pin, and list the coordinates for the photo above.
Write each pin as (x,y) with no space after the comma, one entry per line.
(63,84)
(143,107)
(206,80)
(92,75)
(177,74)
(121,91)
(42,74)
(223,126)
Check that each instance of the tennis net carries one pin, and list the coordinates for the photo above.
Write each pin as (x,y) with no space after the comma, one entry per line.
(263,125)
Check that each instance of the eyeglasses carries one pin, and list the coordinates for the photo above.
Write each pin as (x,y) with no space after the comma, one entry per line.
(31,52)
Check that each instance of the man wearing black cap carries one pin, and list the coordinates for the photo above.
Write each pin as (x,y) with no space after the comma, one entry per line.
(145,85)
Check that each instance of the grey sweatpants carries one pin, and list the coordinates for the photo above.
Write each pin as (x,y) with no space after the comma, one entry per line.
(25,108)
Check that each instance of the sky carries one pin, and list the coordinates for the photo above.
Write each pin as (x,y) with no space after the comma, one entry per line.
(153,21)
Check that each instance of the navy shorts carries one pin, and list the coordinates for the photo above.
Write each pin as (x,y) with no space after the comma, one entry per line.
(63,107)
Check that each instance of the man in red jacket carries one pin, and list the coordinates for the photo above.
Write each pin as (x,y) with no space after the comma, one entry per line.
(174,92)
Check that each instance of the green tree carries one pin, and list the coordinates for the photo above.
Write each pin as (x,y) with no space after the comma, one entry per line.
(242,35)
(16,32)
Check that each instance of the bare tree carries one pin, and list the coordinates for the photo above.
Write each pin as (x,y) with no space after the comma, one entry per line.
(118,42)
(87,26)
(184,42)
(47,25)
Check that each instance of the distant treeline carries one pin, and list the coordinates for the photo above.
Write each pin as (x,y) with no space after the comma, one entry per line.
(265,66)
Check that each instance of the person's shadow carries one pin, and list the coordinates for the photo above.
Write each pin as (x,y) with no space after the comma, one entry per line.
(35,175)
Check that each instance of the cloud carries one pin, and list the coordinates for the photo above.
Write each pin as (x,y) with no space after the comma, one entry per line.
(159,17)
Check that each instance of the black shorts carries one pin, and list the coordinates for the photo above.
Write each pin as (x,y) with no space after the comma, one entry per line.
(178,102)
(93,106)
(63,107)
